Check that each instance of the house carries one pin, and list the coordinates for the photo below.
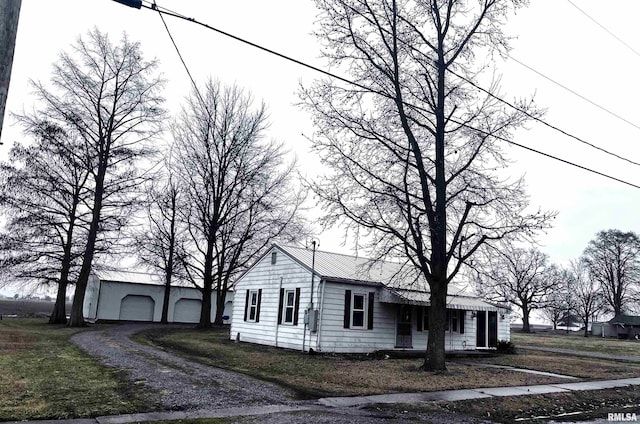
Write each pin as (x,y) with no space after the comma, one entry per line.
(350,305)
(621,326)
(136,296)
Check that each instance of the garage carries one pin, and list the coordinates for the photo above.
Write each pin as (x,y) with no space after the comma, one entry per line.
(187,310)
(137,308)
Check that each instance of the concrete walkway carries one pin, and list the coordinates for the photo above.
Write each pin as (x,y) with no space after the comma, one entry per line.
(621,358)
(485,392)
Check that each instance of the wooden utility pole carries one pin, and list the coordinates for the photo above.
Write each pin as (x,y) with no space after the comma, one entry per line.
(9,13)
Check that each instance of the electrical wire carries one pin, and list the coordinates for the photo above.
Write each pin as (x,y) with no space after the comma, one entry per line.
(154,6)
(605,28)
(165,11)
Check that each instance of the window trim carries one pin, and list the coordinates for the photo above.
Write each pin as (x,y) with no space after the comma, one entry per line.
(285,306)
(363,310)
(253,306)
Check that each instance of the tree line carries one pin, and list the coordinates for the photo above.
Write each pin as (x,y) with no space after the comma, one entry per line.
(104,176)
(605,279)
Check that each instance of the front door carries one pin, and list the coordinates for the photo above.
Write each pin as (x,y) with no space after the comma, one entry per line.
(403,333)
(493,328)
(481,329)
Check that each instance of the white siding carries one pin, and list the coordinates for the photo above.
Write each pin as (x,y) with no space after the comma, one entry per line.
(268,278)
(108,297)
(329,299)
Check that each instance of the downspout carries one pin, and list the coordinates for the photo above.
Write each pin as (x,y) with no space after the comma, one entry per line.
(277,323)
(318,345)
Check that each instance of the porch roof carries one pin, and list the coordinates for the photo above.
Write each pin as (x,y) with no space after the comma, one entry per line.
(414,297)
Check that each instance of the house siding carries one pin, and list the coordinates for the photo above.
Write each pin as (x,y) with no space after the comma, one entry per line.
(329,300)
(267,277)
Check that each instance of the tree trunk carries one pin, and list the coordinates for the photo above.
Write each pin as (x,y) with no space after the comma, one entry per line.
(59,313)
(77,318)
(526,328)
(586,326)
(434,359)
(221,297)
(164,319)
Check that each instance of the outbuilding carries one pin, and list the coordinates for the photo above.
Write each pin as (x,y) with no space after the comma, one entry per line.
(351,305)
(137,296)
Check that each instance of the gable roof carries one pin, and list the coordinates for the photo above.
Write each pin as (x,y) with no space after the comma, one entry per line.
(625,319)
(355,269)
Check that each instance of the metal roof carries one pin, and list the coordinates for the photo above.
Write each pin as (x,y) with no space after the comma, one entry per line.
(625,319)
(339,267)
(414,297)
(130,277)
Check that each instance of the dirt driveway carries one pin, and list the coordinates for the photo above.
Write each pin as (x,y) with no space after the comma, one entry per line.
(182,385)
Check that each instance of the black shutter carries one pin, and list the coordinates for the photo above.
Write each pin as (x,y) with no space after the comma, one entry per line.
(462,314)
(280,306)
(370,310)
(419,323)
(246,305)
(347,308)
(426,321)
(258,307)
(296,308)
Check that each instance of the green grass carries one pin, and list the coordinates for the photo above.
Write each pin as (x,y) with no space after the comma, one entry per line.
(44,376)
(578,342)
(330,375)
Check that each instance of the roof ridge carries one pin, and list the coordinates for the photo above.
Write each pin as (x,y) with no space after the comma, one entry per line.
(339,254)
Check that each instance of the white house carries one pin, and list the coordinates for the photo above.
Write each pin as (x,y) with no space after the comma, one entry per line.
(350,306)
(135,296)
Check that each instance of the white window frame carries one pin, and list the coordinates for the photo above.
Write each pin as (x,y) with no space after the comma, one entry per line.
(286,306)
(365,302)
(252,307)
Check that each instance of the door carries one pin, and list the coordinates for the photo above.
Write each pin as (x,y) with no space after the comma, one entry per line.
(481,329)
(493,329)
(136,308)
(403,333)
(187,310)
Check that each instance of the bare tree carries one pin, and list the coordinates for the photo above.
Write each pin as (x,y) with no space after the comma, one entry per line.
(521,277)
(559,302)
(110,97)
(159,244)
(588,299)
(612,259)
(44,188)
(238,192)
(414,148)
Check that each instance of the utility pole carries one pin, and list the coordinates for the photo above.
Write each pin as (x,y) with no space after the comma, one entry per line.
(9,13)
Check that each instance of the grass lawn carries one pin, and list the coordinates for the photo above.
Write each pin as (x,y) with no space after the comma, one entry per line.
(44,376)
(577,341)
(341,375)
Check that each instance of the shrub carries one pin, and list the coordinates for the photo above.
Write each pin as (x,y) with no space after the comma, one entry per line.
(505,346)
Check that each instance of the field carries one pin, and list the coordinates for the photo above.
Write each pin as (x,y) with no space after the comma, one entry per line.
(577,341)
(27,308)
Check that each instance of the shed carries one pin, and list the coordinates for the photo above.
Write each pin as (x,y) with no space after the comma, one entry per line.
(138,296)
(352,305)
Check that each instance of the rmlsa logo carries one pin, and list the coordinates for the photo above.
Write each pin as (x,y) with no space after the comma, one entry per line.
(622,416)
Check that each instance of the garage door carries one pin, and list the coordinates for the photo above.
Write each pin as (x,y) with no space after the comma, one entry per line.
(137,308)
(187,310)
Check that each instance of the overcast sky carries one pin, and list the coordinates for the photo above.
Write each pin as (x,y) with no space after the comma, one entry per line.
(553,37)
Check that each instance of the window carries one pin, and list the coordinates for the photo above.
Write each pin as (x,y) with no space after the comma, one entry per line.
(423,318)
(274,257)
(358,310)
(252,305)
(289,306)
(455,321)
(290,297)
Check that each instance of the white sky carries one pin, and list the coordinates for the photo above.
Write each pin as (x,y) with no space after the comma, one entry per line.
(553,37)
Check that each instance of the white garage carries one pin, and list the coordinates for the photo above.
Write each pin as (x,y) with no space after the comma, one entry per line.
(187,310)
(136,308)
(136,296)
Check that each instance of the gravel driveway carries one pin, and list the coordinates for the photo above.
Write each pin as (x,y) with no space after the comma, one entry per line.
(179,383)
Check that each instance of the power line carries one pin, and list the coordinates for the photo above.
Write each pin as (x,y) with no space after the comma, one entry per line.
(605,29)
(163,10)
(574,93)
